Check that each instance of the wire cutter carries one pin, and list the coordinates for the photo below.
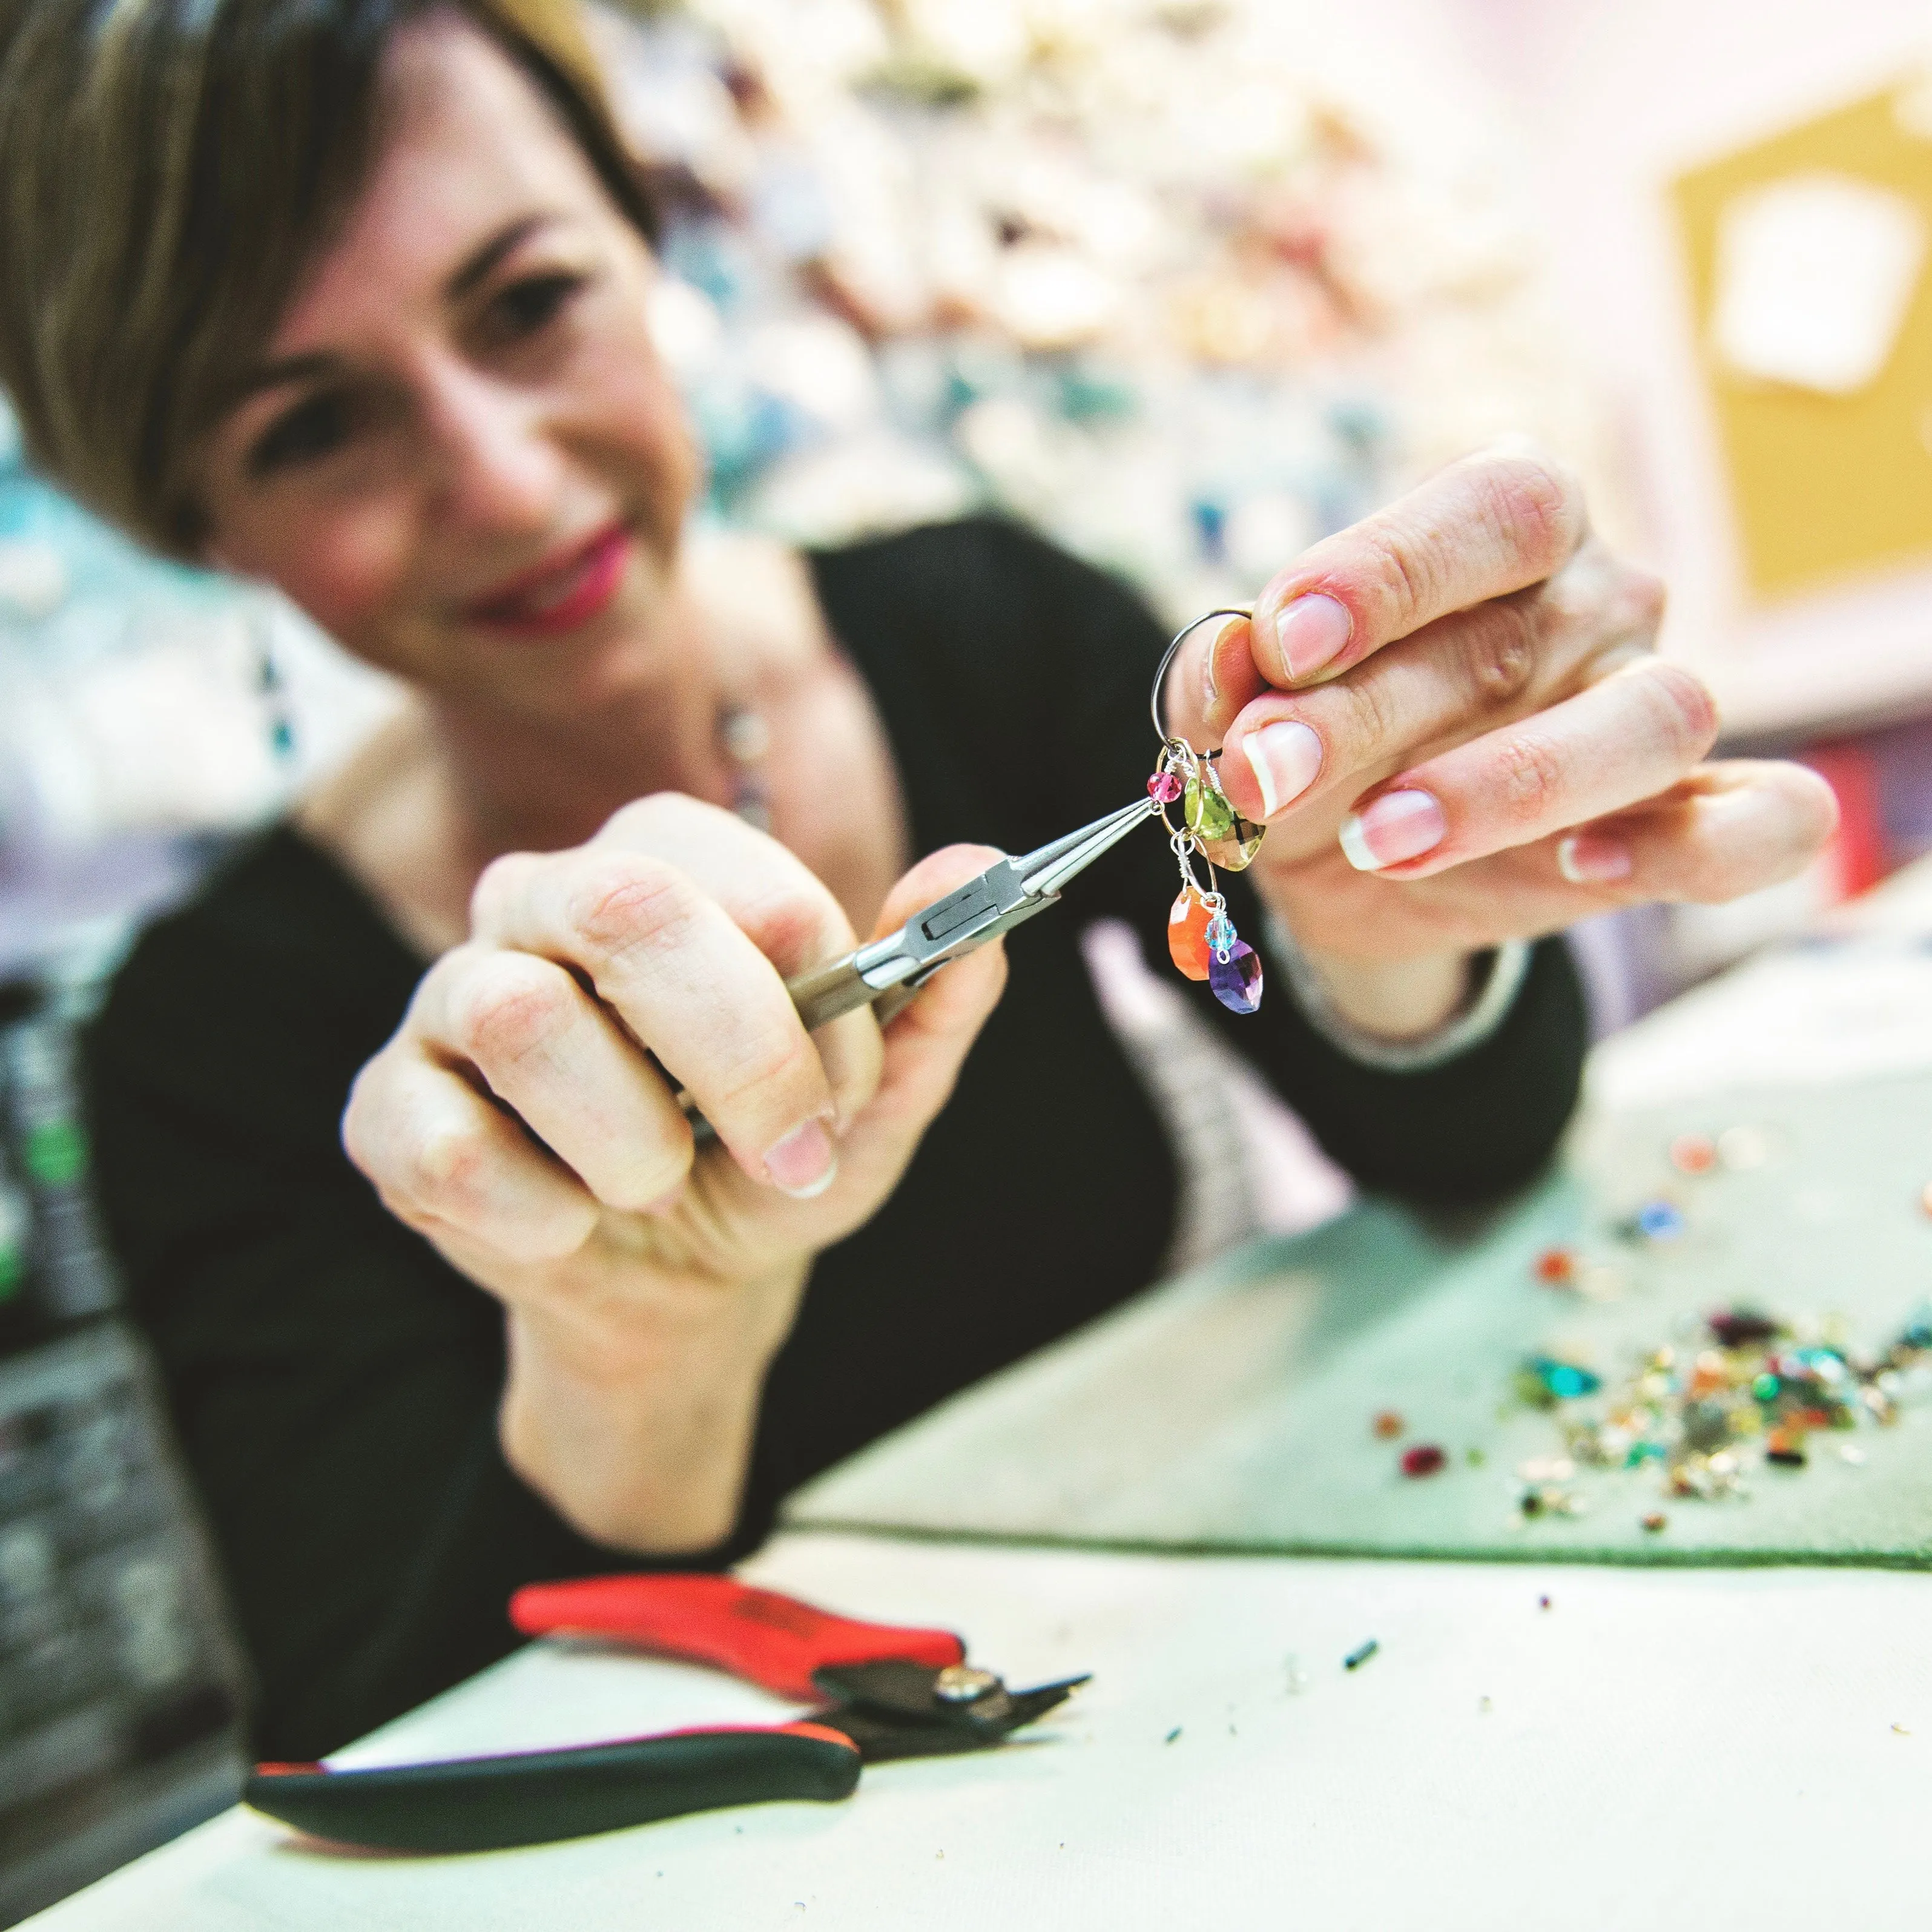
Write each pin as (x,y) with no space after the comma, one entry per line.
(1006,894)
(895,1693)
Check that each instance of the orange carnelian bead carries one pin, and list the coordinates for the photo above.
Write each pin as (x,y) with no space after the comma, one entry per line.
(1187,935)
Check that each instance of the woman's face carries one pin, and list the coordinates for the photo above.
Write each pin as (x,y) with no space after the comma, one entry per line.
(461,454)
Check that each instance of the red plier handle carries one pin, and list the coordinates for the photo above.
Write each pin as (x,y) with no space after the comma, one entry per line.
(755,1634)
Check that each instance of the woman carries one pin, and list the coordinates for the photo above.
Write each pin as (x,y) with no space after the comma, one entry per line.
(349,296)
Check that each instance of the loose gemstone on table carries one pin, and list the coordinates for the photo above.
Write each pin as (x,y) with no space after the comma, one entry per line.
(1556,1268)
(1389,1424)
(1563,1380)
(1164,788)
(1187,921)
(1205,810)
(1693,1154)
(1739,1328)
(1424,1459)
(1237,980)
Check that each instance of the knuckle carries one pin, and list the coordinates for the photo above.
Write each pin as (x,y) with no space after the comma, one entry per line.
(1536,504)
(625,899)
(1530,778)
(1504,643)
(1368,717)
(444,1170)
(1686,711)
(1646,597)
(1402,573)
(496,886)
(509,1009)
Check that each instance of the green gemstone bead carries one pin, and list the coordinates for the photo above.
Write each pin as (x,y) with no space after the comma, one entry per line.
(1205,809)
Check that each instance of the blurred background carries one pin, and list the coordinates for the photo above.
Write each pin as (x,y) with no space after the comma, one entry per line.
(1186,283)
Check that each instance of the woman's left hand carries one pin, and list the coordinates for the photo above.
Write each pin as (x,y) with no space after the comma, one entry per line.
(1453,722)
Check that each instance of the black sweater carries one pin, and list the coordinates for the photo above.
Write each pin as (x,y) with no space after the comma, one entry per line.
(335,1383)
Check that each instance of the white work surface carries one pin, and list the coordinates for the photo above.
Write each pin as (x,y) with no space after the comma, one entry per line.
(1656,1749)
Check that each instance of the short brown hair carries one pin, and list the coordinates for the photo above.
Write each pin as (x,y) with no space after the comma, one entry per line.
(167,168)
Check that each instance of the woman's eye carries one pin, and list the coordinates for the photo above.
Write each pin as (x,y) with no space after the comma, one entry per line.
(525,306)
(315,427)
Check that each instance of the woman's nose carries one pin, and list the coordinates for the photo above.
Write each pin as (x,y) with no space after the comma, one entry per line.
(500,469)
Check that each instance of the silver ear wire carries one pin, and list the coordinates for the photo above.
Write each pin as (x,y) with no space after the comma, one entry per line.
(1181,637)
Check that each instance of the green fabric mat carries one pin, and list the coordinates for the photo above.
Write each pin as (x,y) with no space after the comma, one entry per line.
(1232,1410)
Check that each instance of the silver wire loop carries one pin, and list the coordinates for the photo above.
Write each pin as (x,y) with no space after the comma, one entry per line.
(1181,637)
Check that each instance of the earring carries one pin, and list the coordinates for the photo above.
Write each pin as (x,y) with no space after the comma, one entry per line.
(1201,938)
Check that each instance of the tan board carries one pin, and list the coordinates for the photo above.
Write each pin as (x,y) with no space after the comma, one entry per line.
(1824,487)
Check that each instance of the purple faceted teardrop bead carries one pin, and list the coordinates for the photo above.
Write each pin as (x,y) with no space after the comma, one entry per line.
(1237,980)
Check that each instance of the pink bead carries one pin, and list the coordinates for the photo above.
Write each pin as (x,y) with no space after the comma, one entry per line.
(1164,786)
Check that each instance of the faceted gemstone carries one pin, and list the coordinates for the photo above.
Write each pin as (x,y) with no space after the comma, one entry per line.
(1164,788)
(1236,852)
(1563,1380)
(1424,1459)
(1237,980)
(1206,811)
(1187,935)
(1221,933)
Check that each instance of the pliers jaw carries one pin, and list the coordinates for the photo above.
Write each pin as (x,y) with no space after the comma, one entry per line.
(894,1709)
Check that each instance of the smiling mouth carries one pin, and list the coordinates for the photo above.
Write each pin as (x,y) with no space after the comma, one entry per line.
(558,597)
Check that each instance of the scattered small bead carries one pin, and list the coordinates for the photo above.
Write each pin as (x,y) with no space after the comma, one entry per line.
(1484,1704)
(1851,1453)
(1171,1735)
(1556,1267)
(1655,1521)
(1356,1658)
(1389,1424)
(1424,1459)
(1693,1154)
(1542,1603)
(1740,1328)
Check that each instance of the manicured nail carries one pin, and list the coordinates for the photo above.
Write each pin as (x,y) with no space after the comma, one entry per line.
(1207,693)
(1399,825)
(1588,859)
(804,1163)
(1311,632)
(1286,756)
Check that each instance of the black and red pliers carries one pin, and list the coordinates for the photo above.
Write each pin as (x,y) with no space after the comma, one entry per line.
(896,1692)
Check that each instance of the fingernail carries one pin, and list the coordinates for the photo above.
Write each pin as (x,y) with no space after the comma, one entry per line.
(804,1163)
(1286,757)
(1311,632)
(1399,825)
(1587,858)
(1207,680)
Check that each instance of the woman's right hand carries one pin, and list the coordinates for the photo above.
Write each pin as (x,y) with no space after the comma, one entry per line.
(517,1122)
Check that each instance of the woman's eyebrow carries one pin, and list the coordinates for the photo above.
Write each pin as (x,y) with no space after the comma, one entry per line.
(476,266)
(473,269)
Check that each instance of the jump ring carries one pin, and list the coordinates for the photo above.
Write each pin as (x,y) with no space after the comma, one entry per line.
(1181,637)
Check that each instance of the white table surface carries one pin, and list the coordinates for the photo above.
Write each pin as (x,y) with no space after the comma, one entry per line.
(1658,1749)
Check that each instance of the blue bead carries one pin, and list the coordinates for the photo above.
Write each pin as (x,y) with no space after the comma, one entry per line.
(1221,933)
(1563,1379)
